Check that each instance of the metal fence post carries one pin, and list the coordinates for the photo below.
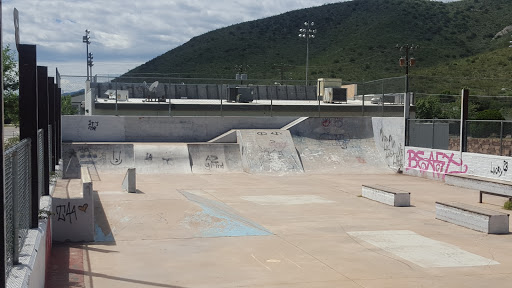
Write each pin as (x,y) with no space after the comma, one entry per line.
(501,139)
(463,118)
(42,101)
(28,114)
(433,133)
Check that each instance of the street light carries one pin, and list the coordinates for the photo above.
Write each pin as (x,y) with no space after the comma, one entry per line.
(307,33)
(86,40)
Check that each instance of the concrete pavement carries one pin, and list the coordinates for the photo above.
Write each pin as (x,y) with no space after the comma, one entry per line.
(243,230)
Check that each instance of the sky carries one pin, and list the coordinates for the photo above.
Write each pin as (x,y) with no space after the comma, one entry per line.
(125,34)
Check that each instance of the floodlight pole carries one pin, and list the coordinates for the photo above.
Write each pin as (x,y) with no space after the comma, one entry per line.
(307,33)
(86,40)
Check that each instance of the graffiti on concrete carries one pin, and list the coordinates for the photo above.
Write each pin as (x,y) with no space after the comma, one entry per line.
(212,162)
(393,151)
(93,125)
(338,140)
(328,122)
(275,133)
(116,158)
(439,163)
(66,212)
(499,169)
(278,145)
(83,208)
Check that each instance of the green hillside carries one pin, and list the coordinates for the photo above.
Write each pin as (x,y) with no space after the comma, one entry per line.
(356,42)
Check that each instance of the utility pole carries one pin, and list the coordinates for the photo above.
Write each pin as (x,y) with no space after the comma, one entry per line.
(406,62)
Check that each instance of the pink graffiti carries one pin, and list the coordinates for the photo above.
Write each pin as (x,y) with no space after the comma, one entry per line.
(438,163)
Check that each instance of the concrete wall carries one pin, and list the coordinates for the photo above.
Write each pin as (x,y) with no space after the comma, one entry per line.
(435,164)
(79,128)
(390,140)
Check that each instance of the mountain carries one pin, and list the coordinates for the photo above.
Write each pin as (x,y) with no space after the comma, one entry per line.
(355,41)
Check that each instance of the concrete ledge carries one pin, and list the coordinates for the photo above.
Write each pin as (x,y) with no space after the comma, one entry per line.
(73,210)
(387,195)
(476,218)
(484,185)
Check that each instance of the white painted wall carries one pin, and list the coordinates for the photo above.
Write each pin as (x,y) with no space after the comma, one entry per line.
(435,164)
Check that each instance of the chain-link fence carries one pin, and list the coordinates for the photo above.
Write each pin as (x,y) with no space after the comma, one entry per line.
(50,164)
(453,85)
(17,198)
(40,162)
(489,137)
(492,137)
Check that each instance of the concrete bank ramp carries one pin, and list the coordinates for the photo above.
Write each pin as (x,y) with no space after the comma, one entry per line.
(269,151)
(211,158)
(338,145)
(162,158)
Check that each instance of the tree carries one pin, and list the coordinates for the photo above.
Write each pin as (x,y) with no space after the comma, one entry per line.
(11,86)
(428,108)
(66,107)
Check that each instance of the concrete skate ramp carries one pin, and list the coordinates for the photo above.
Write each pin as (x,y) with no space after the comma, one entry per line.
(268,151)
(212,158)
(161,158)
(99,158)
(338,145)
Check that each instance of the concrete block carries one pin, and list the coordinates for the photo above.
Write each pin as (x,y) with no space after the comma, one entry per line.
(130,181)
(476,218)
(387,195)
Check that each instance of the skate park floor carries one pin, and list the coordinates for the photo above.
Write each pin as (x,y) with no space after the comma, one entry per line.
(305,230)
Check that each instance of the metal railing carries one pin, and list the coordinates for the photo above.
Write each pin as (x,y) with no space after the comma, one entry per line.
(17,199)
(173,96)
(492,137)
